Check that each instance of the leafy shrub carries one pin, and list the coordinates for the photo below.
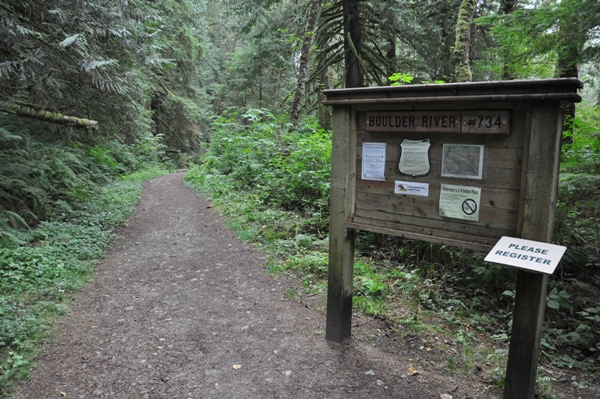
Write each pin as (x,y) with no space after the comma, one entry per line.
(582,155)
(577,216)
(285,169)
(104,159)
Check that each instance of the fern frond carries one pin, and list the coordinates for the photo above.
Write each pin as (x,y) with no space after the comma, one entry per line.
(6,136)
(10,68)
(13,220)
(9,238)
(160,61)
(69,40)
(89,65)
(107,85)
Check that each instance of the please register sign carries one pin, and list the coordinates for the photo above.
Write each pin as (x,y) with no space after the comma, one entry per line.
(539,257)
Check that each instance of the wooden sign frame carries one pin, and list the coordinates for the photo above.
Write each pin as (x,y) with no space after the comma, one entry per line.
(518,125)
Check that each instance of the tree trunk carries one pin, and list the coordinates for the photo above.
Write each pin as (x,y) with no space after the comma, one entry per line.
(390,55)
(566,67)
(155,105)
(462,67)
(444,72)
(507,7)
(569,56)
(304,61)
(352,44)
(324,112)
(48,116)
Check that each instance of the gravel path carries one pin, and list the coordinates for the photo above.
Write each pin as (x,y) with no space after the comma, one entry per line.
(181,309)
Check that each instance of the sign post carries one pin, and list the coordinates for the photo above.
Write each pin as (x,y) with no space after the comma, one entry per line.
(460,164)
(540,187)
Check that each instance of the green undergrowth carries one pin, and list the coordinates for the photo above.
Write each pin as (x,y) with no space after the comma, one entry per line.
(52,261)
(271,182)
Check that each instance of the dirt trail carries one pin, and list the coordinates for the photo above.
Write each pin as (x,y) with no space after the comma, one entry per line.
(181,309)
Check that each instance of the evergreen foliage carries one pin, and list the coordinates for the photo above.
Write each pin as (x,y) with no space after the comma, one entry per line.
(104,61)
(548,38)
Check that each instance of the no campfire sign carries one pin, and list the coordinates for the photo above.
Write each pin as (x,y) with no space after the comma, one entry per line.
(539,257)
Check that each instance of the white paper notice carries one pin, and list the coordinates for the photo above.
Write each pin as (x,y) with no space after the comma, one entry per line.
(460,202)
(414,157)
(411,188)
(373,161)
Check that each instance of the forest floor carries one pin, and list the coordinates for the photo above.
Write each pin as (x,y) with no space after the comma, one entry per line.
(180,308)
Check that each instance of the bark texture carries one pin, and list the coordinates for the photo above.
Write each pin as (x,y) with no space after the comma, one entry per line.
(352,44)
(304,61)
(462,71)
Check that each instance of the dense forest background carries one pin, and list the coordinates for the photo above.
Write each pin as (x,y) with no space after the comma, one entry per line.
(97,95)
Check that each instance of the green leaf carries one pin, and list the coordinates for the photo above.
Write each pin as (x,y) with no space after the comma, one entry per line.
(552,304)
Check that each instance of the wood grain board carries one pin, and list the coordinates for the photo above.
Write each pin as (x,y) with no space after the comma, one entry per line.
(374,202)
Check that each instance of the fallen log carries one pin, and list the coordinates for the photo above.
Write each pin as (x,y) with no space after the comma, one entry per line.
(48,116)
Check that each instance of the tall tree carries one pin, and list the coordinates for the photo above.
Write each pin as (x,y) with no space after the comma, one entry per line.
(463,41)
(311,21)
(349,44)
(86,59)
(258,64)
(102,60)
(425,34)
(179,101)
(571,37)
(408,36)
(354,68)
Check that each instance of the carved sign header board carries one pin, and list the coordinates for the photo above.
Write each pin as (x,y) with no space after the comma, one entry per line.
(473,121)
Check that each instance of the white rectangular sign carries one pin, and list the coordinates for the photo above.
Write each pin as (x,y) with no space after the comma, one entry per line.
(460,202)
(373,161)
(411,188)
(530,255)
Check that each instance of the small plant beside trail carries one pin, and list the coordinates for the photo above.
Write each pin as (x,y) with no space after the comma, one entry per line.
(273,186)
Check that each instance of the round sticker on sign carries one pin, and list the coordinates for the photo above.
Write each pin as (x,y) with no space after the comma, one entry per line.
(469,206)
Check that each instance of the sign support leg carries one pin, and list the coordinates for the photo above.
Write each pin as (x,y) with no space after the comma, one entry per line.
(341,239)
(523,354)
(339,287)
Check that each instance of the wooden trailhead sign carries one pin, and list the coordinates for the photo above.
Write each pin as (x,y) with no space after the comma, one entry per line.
(460,164)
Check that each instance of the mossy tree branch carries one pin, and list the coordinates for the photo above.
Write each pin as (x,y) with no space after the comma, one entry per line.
(48,116)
